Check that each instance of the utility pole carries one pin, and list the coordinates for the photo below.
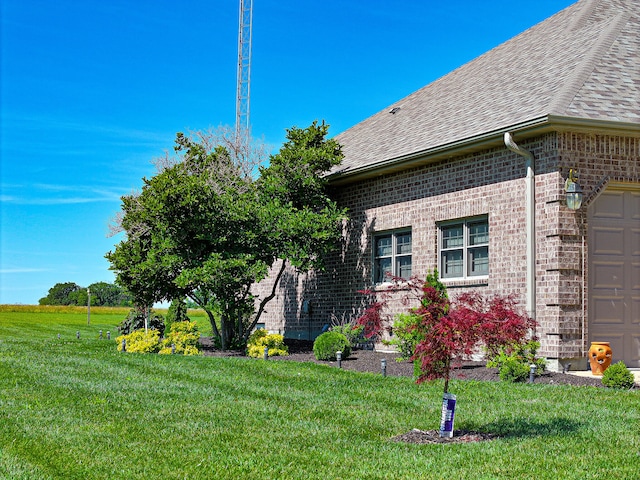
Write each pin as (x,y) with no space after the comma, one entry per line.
(243,89)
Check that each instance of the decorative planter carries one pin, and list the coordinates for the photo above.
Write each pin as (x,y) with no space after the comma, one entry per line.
(599,357)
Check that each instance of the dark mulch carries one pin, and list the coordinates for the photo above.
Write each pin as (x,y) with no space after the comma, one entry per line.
(433,436)
(371,361)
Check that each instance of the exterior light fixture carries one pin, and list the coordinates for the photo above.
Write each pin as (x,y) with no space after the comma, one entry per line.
(573,191)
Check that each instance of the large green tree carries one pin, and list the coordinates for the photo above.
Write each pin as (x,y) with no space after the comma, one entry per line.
(107,295)
(61,294)
(102,294)
(207,229)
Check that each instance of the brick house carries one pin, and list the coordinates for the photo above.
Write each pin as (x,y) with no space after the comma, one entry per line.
(468,175)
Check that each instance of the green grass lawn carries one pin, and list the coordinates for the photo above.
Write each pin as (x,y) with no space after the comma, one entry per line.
(78,409)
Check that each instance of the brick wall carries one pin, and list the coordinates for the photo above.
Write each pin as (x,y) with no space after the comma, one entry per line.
(563,257)
(489,183)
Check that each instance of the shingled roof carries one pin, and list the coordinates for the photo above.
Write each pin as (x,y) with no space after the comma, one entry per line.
(582,63)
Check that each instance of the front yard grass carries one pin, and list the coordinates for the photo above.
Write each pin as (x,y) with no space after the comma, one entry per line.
(78,409)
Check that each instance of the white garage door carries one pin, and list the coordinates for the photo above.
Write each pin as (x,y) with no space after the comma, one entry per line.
(614,271)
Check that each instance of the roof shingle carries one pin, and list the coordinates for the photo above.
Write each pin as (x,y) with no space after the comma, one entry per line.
(582,62)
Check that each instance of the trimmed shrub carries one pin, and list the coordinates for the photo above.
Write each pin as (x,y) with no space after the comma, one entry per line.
(618,376)
(273,341)
(327,344)
(140,341)
(185,336)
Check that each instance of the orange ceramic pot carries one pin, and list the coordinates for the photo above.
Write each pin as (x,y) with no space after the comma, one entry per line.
(599,357)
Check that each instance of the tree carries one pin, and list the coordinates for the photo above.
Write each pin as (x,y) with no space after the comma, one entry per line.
(450,332)
(61,294)
(102,294)
(204,228)
(107,295)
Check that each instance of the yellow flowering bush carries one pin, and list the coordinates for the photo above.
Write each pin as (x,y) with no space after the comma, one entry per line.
(140,341)
(185,336)
(273,341)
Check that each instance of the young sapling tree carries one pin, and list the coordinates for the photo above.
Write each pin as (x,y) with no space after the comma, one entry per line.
(450,331)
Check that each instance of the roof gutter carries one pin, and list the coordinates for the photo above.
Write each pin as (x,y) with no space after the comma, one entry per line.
(491,139)
(530,209)
(448,150)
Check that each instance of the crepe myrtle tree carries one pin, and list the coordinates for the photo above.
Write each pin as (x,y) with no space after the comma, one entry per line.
(449,331)
(214,221)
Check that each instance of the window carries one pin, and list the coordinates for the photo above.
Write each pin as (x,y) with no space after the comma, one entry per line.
(392,256)
(464,248)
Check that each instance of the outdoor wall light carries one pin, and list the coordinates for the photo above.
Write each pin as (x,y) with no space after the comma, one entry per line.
(573,191)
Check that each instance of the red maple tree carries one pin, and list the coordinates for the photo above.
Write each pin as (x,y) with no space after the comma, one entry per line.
(451,331)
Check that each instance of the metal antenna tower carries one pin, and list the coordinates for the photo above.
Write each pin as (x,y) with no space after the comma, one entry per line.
(244,68)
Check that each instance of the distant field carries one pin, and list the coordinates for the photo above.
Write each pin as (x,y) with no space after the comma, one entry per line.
(50,317)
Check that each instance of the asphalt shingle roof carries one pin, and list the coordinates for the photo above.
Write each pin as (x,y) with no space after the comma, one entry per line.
(582,62)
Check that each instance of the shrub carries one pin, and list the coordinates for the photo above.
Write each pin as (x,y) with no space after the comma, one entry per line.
(406,334)
(618,376)
(140,341)
(185,336)
(513,370)
(177,313)
(514,361)
(273,341)
(328,343)
(135,321)
(354,333)
(450,331)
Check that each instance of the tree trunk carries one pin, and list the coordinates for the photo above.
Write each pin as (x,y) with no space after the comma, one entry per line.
(266,300)
(212,321)
(446,376)
(224,331)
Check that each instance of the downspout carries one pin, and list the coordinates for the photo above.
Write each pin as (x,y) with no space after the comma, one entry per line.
(530,206)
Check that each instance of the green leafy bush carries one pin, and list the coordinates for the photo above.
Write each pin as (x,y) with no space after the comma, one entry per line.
(407,333)
(354,333)
(140,341)
(135,321)
(177,313)
(273,341)
(328,343)
(513,370)
(514,361)
(618,376)
(185,336)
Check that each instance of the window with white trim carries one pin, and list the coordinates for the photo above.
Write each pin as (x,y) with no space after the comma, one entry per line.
(391,256)
(464,248)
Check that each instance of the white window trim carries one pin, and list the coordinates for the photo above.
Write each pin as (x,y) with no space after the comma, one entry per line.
(465,249)
(394,235)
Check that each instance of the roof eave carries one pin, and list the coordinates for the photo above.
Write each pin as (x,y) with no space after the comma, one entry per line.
(484,141)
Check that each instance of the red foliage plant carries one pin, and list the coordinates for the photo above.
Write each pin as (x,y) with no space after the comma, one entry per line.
(451,331)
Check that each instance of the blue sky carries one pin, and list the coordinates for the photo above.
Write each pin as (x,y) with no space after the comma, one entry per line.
(92,91)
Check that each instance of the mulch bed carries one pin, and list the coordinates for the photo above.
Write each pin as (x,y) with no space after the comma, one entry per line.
(371,361)
(433,436)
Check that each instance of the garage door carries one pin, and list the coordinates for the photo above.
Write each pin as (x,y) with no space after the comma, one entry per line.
(614,271)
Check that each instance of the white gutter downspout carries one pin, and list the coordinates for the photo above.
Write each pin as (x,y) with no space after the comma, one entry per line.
(530,206)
